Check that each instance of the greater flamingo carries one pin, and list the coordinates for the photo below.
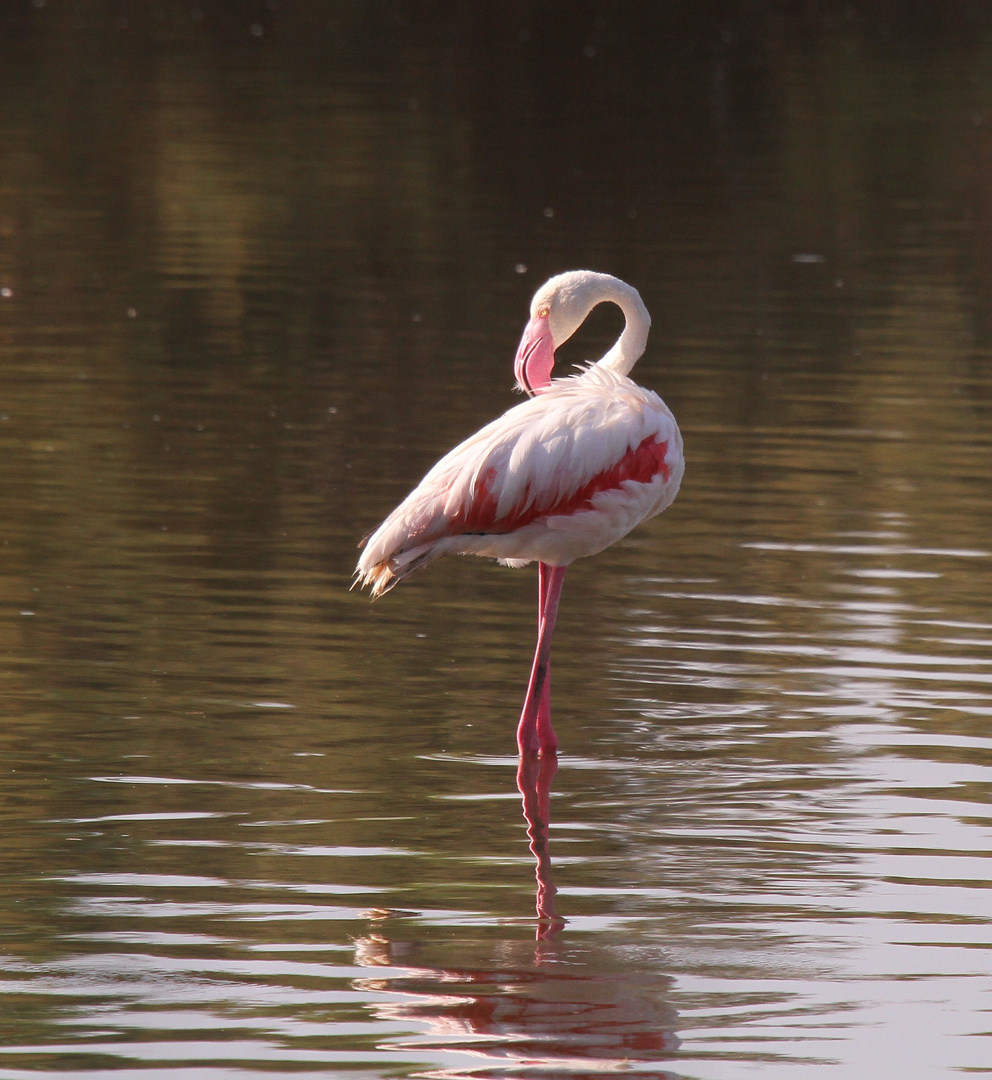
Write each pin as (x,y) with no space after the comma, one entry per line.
(561,475)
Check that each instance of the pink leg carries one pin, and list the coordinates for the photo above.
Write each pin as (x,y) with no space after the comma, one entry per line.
(534,732)
(544,728)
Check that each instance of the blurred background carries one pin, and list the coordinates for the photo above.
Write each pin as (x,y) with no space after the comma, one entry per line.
(260,265)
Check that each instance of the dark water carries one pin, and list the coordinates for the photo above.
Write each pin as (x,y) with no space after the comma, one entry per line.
(260,265)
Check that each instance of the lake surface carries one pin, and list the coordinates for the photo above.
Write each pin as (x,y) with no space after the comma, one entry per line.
(260,265)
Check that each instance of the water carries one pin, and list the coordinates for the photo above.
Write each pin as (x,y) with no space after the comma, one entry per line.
(259,270)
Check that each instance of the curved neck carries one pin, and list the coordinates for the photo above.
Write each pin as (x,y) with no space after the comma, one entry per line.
(629,346)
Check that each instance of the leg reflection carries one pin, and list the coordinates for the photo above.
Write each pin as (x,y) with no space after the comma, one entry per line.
(534,776)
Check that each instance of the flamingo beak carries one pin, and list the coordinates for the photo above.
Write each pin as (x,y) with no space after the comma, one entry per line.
(535,356)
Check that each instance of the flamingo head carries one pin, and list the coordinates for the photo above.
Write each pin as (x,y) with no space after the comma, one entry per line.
(558,309)
(535,354)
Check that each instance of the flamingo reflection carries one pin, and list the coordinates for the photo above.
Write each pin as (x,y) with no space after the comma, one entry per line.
(514,1004)
(506,1002)
(534,776)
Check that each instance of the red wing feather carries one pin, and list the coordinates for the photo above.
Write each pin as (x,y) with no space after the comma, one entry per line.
(641,464)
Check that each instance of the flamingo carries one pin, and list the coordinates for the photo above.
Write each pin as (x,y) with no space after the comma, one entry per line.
(559,476)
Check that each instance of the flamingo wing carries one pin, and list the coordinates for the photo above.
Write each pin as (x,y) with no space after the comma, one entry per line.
(549,457)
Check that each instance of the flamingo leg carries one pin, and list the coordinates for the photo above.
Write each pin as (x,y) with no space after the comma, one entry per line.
(534,732)
(544,709)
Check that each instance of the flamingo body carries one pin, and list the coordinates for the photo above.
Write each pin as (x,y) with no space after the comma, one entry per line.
(559,476)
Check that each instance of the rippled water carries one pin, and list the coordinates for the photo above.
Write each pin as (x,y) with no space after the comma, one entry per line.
(258,269)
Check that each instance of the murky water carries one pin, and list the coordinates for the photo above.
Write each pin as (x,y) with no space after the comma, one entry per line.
(258,270)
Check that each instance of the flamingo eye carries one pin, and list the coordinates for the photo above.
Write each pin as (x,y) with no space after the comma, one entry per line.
(543,313)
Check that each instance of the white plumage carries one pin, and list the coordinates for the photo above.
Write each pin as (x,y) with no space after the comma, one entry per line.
(536,456)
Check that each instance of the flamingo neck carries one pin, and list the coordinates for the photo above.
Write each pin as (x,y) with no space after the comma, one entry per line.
(629,346)
(560,307)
